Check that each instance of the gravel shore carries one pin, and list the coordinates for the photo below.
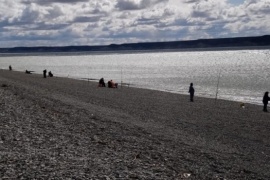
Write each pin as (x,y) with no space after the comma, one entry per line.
(60,128)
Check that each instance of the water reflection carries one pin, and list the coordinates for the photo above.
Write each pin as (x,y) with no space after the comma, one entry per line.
(244,74)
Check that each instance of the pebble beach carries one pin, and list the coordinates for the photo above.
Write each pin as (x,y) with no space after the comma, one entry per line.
(62,128)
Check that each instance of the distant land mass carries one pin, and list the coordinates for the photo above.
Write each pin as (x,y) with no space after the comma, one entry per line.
(200,44)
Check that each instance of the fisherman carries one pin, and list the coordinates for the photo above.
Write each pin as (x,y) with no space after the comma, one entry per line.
(44,73)
(101,83)
(191,91)
(266,98)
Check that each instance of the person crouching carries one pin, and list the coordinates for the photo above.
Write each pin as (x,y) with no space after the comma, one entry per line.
(112,84)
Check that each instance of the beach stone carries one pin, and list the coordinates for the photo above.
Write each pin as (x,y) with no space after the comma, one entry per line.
(142,134)
(133,176)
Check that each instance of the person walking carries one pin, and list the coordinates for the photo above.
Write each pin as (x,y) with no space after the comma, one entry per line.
(266,98)
(191,91)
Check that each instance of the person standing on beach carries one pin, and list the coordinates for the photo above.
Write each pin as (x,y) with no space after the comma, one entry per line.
(44,73)
(266,98)
(191,91)
(10,68)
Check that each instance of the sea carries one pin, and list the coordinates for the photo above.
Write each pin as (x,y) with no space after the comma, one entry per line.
(236,75)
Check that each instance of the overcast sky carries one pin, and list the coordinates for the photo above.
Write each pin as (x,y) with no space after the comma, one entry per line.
(103,22)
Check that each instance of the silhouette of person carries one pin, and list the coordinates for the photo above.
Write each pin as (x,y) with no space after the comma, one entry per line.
(44,73)
(50,74)
(110,84)
(10,68)
(266,98)
(191,91)
(27,72)
(101,83)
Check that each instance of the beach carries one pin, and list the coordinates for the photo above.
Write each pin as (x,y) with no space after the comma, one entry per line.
(62,128)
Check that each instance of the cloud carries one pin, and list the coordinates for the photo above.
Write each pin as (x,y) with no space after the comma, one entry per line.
(88,22)
(259,7)
(249,19)
(136,4)
(48,2)
(99,7)
(209,9)
(82,19)
(30,14)
(54,12)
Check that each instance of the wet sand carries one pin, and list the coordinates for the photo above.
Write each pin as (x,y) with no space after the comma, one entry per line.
(64,128)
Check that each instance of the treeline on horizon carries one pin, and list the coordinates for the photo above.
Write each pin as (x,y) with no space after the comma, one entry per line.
(244,42)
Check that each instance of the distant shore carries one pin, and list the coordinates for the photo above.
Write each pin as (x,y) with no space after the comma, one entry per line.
(199,44)
(65,128)
(93,80)
(3,54)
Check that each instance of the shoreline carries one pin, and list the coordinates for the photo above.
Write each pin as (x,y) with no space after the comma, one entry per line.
(78,53)
(65,128)
(140,87)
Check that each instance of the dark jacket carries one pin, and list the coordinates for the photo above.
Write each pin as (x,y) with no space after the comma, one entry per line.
(191,90)
(266,98)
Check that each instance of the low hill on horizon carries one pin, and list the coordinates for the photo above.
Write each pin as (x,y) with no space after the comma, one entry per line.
(243,42)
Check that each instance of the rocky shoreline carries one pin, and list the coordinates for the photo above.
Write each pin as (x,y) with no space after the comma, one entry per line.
(60,128)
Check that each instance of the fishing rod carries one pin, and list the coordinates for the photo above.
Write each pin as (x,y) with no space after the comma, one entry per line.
(218,83)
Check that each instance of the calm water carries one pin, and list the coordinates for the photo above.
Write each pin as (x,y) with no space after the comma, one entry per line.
(244,74)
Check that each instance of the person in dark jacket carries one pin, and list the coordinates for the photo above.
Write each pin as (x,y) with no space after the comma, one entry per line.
(45,73)
(10,68)
(101,83)
(28,72)
(266,98)
(191,91)
(50,74)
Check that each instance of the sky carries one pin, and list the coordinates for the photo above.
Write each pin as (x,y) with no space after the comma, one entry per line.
(104,22)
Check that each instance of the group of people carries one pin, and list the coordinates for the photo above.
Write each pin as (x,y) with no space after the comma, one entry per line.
(265,100)
(111,83)
(45,73)
(26,71)
(30,72)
